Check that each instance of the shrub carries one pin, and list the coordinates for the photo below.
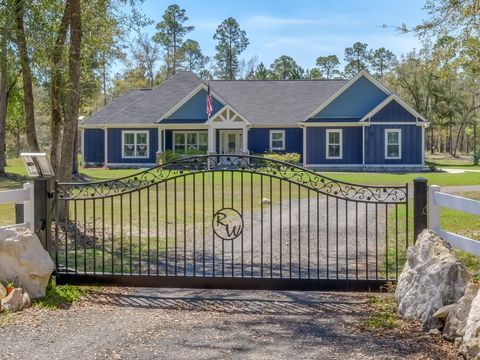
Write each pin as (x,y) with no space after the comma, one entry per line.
(169,155)
(291,158)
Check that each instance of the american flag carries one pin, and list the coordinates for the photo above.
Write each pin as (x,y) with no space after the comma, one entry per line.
(209,102)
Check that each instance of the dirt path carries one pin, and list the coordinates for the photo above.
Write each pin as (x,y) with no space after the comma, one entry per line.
(213,324)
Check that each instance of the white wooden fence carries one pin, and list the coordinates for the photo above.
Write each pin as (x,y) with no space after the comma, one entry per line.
(21,196)
(438,199)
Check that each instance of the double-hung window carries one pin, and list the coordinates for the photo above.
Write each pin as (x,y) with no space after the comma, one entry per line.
(190,140)
(334,144)
(135,144)
(393,144)
(277,139)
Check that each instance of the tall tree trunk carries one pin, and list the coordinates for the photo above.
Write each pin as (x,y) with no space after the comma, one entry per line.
(73,101)
(26,75)
(3,100)
(17,143)
(56,91)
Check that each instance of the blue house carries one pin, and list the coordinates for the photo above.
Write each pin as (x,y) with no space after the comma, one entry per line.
(334,124)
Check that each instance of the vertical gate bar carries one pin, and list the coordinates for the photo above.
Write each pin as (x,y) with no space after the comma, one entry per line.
(280,184)
(113,236)
(241,210)
(308,234)
(66,234)
(328,236)
(396,241)
(213,232)
(157,218)
(185,225)
(223,206)
(148,230)
(203,225)
(121,234)
(376,241)
(194,226)
(318,235)
(356,240)
(84,236)
(366,239)
(299,234)
(232,173)
(175,222)
(251,223)
(346,238)
(166,226)
(131,233)
(386,241)
(94,244)
(271,229)
(261,225)
(57,218)
(336,235)
(103,235)
(75,234)
(140,232)
(420,196)
(290,226)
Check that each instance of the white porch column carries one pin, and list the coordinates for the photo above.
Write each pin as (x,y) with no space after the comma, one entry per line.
(211,139)
(105,160)
(245,140)
(159,154)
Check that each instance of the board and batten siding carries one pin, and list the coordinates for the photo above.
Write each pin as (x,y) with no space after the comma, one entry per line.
(355,102)
(411,145)
(317,146)
(259,140)
(94,146)
(115,146)
(393,112)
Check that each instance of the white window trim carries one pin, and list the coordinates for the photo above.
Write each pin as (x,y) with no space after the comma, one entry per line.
(399,131)
(185,132)
(283,139)
(135,132)
(327,143)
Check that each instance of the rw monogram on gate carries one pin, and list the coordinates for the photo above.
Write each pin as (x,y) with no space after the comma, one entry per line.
(227,224)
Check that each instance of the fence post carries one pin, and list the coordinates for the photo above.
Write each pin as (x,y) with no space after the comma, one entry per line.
(420,189)
(433,209)
(42,201)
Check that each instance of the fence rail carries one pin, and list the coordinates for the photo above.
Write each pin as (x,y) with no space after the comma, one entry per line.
(20,196)
(437,200)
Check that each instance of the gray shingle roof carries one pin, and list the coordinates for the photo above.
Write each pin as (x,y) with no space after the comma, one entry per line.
(146,106)
(259,101)
(276,101)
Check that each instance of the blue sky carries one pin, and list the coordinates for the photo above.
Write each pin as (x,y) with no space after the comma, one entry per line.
(303,29)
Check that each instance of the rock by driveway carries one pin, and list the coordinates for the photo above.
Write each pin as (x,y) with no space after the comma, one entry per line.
(211,324)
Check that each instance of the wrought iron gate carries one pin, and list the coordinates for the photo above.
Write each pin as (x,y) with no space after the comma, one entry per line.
(225,221)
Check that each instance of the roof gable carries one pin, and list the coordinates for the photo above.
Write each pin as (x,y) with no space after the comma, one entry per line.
(393,109)
(194,108)
(355,100)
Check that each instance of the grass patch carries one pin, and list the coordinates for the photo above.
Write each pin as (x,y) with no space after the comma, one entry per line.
(61,296)
(383,312)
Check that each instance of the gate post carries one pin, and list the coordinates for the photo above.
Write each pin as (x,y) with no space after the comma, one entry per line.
(420,195)
(42,206)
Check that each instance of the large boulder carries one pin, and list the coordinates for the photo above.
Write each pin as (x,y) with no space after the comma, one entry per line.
(432,278)
(24,260)
(455,315)
(470,346)
(3,291)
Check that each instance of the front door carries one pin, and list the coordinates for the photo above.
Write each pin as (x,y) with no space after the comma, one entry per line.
(230,142)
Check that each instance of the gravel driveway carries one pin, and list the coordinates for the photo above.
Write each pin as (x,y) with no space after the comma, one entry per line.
(185,324)
(298,239)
